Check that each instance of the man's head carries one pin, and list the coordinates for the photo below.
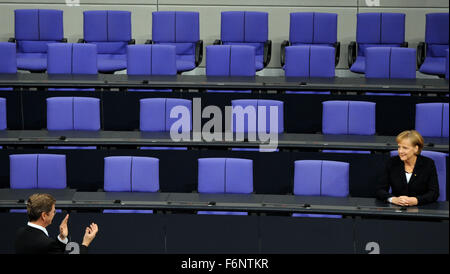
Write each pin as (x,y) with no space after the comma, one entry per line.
(41,209)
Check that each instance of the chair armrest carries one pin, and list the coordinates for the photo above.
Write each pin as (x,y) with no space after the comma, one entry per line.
(337,53)
(217,42)
(421,53)
(64,40)
(351,53)
(404,45)
(149,42)
(132,42)
(12,40)
(198,52)
(284,44)
(81,40)
(267,53)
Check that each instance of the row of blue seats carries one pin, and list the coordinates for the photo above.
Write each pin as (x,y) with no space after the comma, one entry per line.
(221,60)
(111,32)
(338,117)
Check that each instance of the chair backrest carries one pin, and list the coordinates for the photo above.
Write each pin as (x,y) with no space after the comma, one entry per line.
(2,113)
(31,171)
(310,61)
(321,178)
(348,117)
(388,62)
(155,114)
(379,29)
(225,175)
(245,27)
(73,113)
(34,28)
(151,60)
(8,65)
(436,34)
(248,115)
(110,30)
(432,119)
(68,58)
(313,28)
(131,174)
(230,61)
(439,159)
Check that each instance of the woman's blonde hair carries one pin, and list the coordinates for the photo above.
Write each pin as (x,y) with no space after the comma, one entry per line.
(414,136)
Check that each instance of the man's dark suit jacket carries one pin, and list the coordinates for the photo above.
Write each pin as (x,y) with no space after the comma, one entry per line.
(423,183)
(30,240)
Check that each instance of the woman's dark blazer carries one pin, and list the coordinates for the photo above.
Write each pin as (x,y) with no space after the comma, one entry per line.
(423,183)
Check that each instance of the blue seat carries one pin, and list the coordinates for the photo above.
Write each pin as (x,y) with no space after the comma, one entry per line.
(321,178)
(155,116)
(440,161)
(348,117)
(71,58)
(111,32)
(73,113)
(225,175)
(37,171)
(160,60)
(180,29)
(131,174)
(33,30)
(312,29)
(309,61)
(222,60)
(432,119)
(447,63)
(2,114)
(375,30)
(8,65)
(247,28)
(432,53)
(248,113)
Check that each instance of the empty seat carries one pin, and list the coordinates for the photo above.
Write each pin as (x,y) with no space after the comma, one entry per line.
(73,113)
(247,28)
(131,174)
(348,117)
(151,60)
(432,119)
(309,61)
(33,30)
(321,178)
(8,65)
(180,29)
(37,171)
(375,30)
(312,28)
(440,161)
(225,175)
(111,32)
(230,61)
(255,115)
(432,52)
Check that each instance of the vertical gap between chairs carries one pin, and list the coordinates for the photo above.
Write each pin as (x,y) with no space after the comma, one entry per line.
(321,169)
(390,58)
(39,25)
(442,121)
(348,117)
(131,174)
(245,14)
(229,62)
(381,28)
(37,171)
(309,61)
(175,28)
(107,26)
(225,177)
(313,25)
(73,113)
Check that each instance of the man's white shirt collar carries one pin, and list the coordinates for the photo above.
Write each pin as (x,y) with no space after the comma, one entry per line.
(39,227)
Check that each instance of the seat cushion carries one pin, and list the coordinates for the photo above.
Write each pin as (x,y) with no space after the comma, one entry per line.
(360,65)
(185,62)
(111,62)
(433,65)
(32,61)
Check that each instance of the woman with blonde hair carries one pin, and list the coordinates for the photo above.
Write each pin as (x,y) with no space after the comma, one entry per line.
(411,176)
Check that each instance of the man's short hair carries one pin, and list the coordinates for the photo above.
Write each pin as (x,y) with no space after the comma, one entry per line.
(39,203)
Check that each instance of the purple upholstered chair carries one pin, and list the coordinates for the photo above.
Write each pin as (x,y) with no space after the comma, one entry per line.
(321,178)
(432,119)
(348,117)
(131,174)
(432,52)
(33,30)
(8,65)
(247,28)
(225,175)
(181,30)
(375,30)
(36,171)
(111,32)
